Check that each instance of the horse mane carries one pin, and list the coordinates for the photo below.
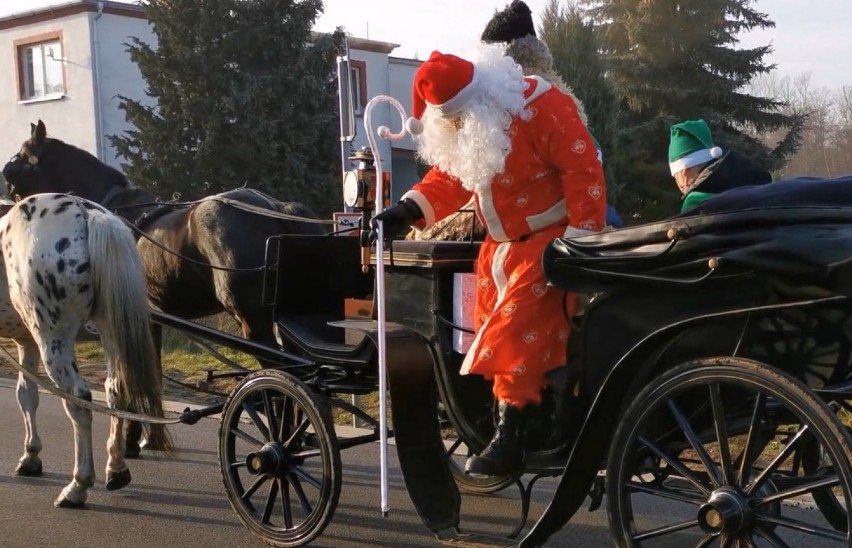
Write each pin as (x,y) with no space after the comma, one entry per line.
(91,164)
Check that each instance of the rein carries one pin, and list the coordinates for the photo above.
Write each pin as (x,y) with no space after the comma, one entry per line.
(227,201)
(76,400)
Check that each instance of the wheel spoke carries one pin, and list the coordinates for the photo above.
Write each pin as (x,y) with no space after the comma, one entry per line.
(676,464)
(270,501)
(660,531)
(297,487)
(777,461)
(310,453)
(695,442)
(255,419)
(748,455)
(254,487)
(286,412)
(455,445)
(297,433)
(721,427)
(805,527)
(270,412)
(800,490)
(285,504)
(246,437)
(312,481)
(666,493)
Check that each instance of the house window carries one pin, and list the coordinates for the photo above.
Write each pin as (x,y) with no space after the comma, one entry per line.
(358,83)
(40,70)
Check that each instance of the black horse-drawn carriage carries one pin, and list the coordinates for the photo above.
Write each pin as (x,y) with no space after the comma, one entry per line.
(710,370)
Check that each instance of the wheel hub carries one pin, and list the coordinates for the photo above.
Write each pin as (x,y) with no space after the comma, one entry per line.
(270,459)
(727,511)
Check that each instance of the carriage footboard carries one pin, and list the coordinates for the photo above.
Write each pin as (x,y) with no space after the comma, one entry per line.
(416,431)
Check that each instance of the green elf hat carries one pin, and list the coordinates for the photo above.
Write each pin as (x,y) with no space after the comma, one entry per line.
(690,145)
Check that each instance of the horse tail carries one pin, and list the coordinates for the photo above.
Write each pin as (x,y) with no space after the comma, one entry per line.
(121,305)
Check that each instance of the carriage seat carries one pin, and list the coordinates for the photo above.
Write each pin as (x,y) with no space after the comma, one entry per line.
(315,337)
(314,276)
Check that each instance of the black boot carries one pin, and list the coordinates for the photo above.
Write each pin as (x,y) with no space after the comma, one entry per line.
(505,454)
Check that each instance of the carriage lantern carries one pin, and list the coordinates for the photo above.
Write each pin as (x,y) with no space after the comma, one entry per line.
(359,190)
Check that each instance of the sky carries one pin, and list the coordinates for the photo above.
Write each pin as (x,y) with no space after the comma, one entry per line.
(810,36)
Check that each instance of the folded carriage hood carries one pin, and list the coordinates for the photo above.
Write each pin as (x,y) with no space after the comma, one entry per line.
(799,231)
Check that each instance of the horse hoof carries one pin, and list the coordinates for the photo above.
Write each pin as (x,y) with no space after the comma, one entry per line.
(117,480)
(28,469)
(132,452)
(151,446)
(62,502)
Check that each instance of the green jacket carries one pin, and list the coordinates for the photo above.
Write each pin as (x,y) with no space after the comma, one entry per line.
(695,197)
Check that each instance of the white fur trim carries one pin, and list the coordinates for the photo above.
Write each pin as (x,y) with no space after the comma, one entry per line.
(414,126)
(548,217)
(490,216)
(428,211)
(542,87)
(574,232)
(459,100)
(696,158)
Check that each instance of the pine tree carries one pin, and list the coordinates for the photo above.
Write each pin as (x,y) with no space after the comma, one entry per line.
(673,60)
(244,93)
(576,58)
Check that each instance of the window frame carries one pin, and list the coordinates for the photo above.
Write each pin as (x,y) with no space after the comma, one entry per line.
(358,71)
(22,44)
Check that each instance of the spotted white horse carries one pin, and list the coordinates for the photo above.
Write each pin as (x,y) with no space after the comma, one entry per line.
(67,261)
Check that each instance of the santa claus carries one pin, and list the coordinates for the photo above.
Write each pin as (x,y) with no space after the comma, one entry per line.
(519,146)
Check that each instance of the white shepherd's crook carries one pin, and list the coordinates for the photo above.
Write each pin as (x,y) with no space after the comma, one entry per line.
(385,133)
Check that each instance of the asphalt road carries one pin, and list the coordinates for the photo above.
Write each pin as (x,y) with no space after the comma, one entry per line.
(180,501)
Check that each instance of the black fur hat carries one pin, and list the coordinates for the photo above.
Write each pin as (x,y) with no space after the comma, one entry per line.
(515,21)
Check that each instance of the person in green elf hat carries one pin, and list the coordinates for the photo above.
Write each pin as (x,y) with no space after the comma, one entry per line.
(701,169)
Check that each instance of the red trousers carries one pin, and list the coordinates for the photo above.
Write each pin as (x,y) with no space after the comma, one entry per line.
(520,323)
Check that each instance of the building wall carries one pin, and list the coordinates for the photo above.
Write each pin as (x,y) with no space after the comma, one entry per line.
(98,71)
(118,75)
(70,118)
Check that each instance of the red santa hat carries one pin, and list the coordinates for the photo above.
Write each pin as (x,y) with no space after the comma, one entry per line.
(444,82)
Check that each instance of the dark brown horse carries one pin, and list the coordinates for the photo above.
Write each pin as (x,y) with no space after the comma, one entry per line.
(199,259)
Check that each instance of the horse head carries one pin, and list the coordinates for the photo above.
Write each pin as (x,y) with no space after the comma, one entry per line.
(46,164)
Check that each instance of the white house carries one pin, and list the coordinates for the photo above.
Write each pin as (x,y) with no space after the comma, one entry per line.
(70,65)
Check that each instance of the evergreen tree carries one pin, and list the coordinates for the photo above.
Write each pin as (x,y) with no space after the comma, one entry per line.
(673,60)
(577,59)
(244,94)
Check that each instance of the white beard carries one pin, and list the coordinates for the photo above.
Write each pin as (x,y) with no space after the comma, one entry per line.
(473,154)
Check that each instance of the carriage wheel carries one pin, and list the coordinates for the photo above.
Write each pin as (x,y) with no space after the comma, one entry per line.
(728,483)
(279,459)
(458,453)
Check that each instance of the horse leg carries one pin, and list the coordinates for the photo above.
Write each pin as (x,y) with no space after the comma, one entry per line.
(117,472)
(75,493)
(58,358)
(133,432)
(27,393)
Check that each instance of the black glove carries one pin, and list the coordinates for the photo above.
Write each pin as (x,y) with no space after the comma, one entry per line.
(395,218)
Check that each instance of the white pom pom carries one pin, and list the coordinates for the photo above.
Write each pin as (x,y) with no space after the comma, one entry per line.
(414,126)
(716,152)
(384,132)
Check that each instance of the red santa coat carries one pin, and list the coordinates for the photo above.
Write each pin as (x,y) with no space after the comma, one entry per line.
(552,184)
